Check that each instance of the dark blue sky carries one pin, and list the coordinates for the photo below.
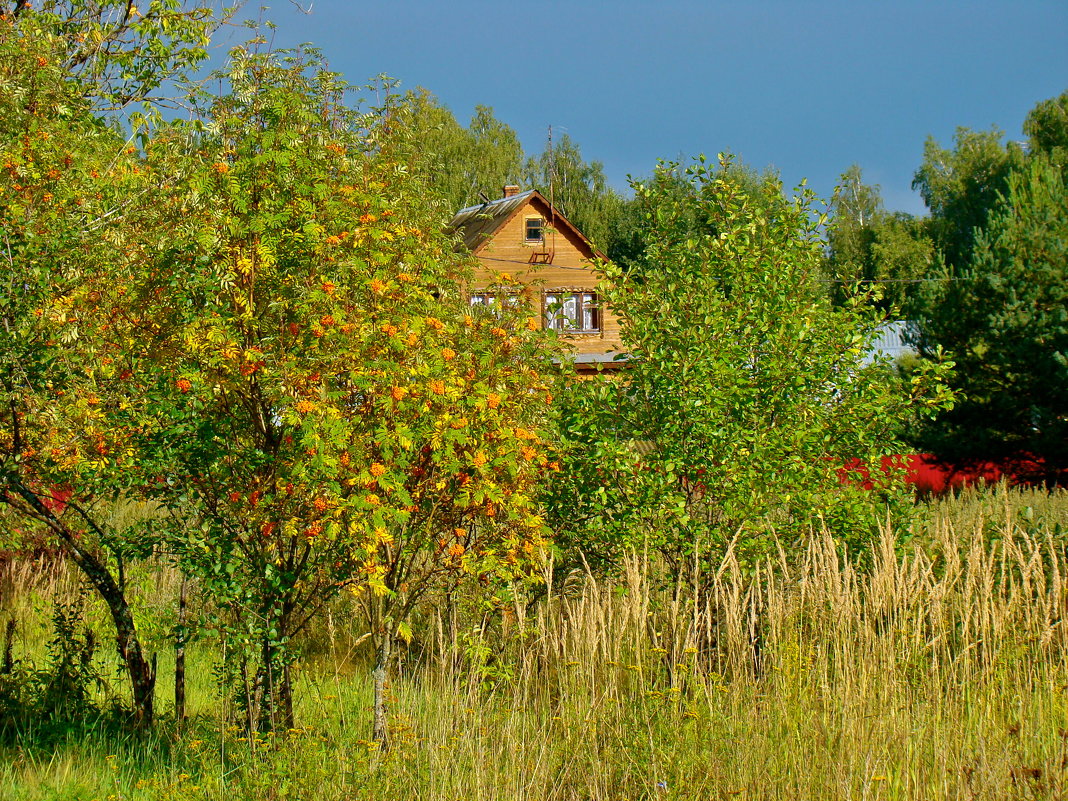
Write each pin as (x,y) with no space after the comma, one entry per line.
(807,87)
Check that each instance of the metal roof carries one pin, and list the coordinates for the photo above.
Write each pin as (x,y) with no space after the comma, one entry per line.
(476,224)
(894,340)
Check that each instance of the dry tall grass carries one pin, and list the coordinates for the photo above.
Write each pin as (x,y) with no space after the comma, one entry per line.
(939,670)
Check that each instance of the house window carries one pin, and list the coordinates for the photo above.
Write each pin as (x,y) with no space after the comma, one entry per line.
(492,302)
(483,300)
(572,311)
(535,230)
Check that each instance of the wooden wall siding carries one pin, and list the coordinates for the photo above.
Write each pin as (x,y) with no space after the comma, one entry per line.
(508,252)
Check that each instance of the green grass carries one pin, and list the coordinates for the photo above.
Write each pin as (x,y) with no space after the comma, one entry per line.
(940,672)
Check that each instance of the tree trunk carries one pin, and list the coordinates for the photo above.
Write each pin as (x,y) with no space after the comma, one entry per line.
(179,659)
(142,672)
(273,694)
(380,732)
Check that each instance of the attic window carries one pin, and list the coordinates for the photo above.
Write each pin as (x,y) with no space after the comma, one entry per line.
(535,231)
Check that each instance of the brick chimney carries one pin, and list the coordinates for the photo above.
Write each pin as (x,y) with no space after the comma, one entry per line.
(511,190)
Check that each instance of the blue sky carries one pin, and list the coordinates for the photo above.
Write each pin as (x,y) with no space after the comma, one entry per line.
(807,87)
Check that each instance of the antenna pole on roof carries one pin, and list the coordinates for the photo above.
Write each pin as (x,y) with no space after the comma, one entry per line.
(552,176)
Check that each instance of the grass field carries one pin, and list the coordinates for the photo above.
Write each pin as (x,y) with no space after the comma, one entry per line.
(938,671)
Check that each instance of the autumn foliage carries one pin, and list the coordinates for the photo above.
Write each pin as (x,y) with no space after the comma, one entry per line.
(267,337)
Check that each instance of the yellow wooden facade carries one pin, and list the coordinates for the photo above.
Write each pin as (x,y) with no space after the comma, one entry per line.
(523,237)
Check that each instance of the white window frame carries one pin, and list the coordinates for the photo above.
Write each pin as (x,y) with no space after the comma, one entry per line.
(583,316)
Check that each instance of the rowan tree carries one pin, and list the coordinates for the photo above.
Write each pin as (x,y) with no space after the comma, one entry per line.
(306,376)
(71,193)
(118,52)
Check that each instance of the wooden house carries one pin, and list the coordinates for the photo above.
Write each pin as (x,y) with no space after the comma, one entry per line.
(522,236)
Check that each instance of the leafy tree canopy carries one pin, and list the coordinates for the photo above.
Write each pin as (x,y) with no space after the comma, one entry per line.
(961,185)
(1046,128)
(747,397)
(296,366)
(1004,317)
(118,51)
(869,250)
(998,217)
(462,165)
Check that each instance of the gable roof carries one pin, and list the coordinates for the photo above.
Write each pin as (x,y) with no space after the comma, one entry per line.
(478,224)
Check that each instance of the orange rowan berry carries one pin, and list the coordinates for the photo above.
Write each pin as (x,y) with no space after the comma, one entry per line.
(435,323)
(493,400)
(328,287)
(184,384)
(448,354)
(377,286)
(377,469)
(398,393)
(437,387)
